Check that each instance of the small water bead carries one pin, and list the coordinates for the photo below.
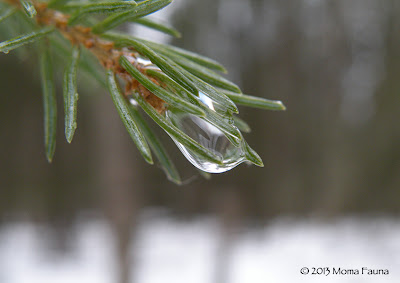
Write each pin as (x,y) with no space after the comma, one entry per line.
(210,137)
(133,102)
(31,11)
(143,61)
(146,63)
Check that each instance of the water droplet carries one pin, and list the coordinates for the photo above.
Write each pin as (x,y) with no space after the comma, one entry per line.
(31,11)
(146,62)
(208,136)
(133,102)
(143,61)
(211,138)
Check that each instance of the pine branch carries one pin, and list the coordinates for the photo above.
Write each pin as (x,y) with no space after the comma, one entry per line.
(167,82)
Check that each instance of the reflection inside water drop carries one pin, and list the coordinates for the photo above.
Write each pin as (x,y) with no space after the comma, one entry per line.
(206,100)
(209,137)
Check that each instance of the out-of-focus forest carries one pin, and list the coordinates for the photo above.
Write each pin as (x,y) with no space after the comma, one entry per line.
(334,152)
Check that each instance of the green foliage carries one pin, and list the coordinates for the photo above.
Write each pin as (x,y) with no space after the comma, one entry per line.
(180,79)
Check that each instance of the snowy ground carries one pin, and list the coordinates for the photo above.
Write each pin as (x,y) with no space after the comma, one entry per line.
(167,250)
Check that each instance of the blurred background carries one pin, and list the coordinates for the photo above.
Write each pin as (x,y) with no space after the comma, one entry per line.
(329,195)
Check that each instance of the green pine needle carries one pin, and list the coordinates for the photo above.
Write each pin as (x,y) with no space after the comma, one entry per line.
(252,156)
(169,50)
(7,13)
(241,124)
(158,26)
(53,4)
(157,148)
(255,102)
(87,61)
(143,8)
(203,73)
(101,8)
(71,94)
(127,118)
(224,102)
(174,86)
(11,44)
(49,102)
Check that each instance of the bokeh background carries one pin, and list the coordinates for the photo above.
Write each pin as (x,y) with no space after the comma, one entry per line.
(329,195)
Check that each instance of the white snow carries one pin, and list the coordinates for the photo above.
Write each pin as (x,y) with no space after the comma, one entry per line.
(167,250)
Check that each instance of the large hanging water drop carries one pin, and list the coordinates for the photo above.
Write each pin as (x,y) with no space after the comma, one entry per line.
(209,137)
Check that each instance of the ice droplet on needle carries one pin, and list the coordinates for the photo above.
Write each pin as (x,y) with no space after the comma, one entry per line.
(209,136)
